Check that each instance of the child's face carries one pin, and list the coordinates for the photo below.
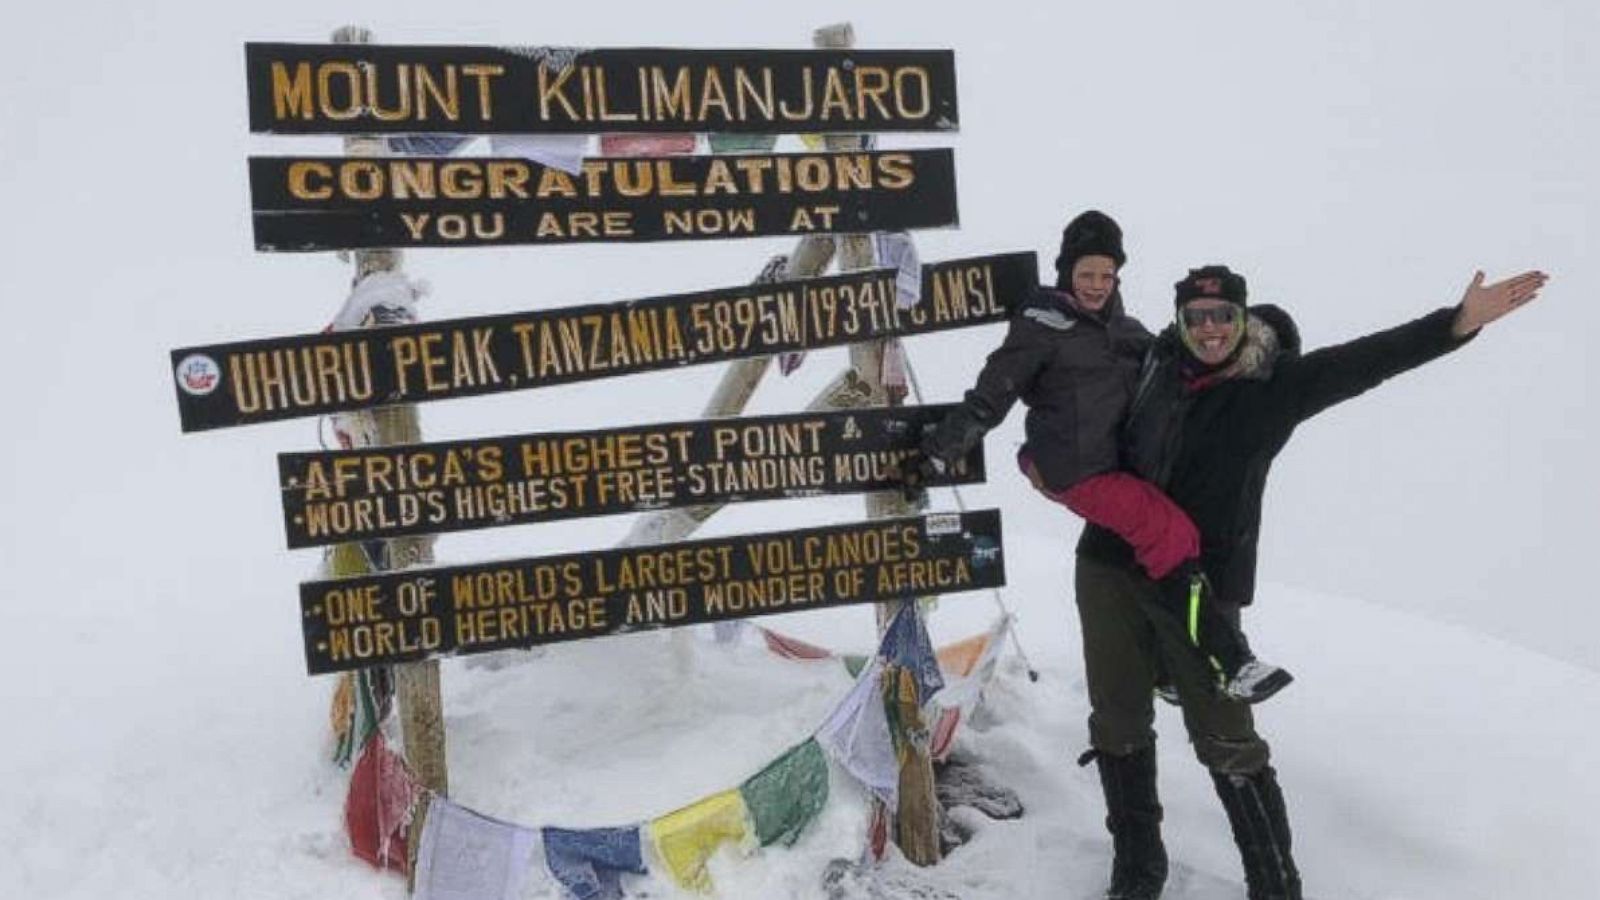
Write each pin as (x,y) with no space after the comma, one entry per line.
(1094,278)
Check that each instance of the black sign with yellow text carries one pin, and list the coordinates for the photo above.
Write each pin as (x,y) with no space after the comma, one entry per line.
(333,203)
(398,89)
(242,383)
(353,623)
(350,495)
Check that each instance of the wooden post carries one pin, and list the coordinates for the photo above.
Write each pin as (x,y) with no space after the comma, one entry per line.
(917,820)
(417,691)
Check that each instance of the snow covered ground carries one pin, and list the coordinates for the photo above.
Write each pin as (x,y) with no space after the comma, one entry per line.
(1427,550)
(1420,760)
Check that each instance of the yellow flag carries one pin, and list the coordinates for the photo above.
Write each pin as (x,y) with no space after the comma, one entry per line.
(344,560)
(685,839)
(341,712)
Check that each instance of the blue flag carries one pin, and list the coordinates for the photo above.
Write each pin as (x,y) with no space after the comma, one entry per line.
(425,144)
(905,644)
(590,863)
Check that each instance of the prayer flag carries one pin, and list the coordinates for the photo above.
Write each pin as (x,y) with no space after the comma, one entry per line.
(590,863)
(905,644)
(559,151)
(425,144)
(896,250)
(467,856)
(378,807)
(784,797)
(646,144)
(792,648)
(742,143)
(686,839)
(856,735)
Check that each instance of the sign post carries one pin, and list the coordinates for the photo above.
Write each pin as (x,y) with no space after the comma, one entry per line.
(418,614)
(263,380)
(859,385)
(382,498)
(382,492)
(330,203)
(401,89)
(417,691)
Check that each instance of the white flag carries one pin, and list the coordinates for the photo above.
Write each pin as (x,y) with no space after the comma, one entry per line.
(467,856)
(560,151)
(856,735)
(895,250)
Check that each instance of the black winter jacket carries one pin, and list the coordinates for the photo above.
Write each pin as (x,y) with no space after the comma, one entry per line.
(1076,373)
(1210,447)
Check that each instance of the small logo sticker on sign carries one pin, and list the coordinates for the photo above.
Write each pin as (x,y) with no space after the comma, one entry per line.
(943,523)
(984,552)
(199,375)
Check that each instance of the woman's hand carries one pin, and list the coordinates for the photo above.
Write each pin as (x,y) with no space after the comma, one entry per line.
(1482,304)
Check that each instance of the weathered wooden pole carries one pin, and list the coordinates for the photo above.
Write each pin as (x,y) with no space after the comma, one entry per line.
(917,820)
(417,692)
(859,385)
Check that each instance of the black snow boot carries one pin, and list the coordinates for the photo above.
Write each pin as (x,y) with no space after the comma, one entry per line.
(1133,816)
(1261,829)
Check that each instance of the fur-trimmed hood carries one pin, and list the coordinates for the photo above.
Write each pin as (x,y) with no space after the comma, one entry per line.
(1270,335)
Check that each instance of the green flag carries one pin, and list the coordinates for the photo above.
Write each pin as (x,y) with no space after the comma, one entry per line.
(742,143)
(784,797)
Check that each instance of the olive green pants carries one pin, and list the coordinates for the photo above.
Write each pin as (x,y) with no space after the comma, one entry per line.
(1127,638)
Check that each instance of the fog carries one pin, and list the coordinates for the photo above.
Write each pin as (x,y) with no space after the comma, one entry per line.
(1357,161)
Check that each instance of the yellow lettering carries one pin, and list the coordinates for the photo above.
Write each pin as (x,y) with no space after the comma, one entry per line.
(300,173)
(291,95)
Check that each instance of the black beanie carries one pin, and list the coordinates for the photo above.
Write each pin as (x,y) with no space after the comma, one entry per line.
(1091,234)
(1210,283)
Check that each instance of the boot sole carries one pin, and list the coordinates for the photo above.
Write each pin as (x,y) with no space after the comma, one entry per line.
(1266,689)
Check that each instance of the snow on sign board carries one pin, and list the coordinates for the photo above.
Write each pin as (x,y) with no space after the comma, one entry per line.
(222,385)
(351,623)
(335,496)
(333,203)
(395,89)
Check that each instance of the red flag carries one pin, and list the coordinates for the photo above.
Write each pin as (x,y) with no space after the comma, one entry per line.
(944,734)
(792,648)
(378,807)
(646,144)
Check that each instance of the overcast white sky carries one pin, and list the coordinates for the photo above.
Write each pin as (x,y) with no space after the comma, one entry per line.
(1357,160)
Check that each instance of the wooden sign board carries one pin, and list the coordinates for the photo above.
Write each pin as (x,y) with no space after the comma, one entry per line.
(395,89)
(456,610)
(335,203)
(352,495)
(223,385)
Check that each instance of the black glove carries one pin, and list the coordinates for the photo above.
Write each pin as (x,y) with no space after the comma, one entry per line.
(917,468)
